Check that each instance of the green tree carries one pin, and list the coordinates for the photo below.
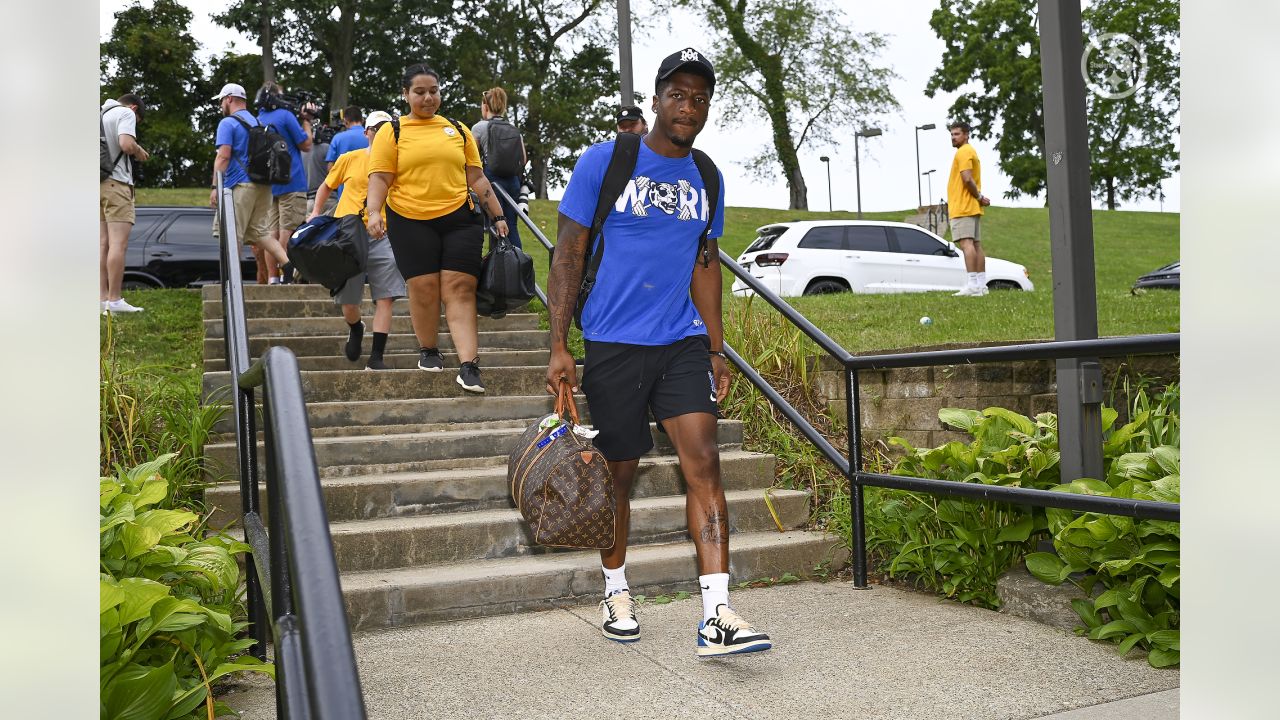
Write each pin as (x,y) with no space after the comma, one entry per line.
(151,53)
(798,63)
(992,56)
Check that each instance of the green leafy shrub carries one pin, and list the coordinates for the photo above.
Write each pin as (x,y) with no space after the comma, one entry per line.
(169,602)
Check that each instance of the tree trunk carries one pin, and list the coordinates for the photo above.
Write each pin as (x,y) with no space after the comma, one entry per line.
(1111,193)
(264,39)
(340,90)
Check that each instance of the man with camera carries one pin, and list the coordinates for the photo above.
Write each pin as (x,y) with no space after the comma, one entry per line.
(288,200)
(120,120)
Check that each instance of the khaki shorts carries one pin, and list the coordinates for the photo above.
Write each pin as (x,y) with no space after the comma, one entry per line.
(251,203)
(288,211)
(115,201)
(966,228)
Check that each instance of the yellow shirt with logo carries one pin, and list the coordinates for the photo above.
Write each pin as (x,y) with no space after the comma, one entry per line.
(351,170)
(430,181)
(960,203)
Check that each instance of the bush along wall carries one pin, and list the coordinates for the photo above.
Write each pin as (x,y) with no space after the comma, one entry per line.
(960,548)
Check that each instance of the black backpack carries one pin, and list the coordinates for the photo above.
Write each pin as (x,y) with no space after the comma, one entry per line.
(622,165)
(503,155)
(106,165)
(269,160)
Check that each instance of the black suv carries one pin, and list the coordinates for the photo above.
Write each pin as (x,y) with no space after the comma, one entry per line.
(174,247)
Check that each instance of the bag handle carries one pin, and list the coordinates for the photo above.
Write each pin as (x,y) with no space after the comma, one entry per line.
(564,402)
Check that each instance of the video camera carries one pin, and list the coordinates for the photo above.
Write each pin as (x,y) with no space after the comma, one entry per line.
(304,105)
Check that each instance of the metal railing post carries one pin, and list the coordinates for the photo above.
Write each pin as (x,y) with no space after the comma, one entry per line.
(857,508)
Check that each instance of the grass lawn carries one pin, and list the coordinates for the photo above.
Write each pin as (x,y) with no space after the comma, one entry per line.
(1126,244)
(166,340)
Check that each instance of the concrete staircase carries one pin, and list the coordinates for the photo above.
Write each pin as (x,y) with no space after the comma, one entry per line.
(414,474)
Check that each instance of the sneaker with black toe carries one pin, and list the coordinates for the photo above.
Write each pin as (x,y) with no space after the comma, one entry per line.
(469,376)
(354,340)
(375,363)
(727,634)
(619,622)
(430,359)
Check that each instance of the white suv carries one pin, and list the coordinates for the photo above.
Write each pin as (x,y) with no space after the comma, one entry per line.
(813,257)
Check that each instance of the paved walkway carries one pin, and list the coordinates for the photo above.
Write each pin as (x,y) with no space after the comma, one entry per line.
(839,653)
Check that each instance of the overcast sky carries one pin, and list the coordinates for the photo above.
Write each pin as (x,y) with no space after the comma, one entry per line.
(888,162)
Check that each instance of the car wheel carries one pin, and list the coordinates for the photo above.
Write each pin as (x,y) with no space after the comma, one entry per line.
(137,284)
(826,287)
(1003,285)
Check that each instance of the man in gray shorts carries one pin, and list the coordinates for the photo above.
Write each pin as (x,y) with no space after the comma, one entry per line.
(965,202)
(350,171)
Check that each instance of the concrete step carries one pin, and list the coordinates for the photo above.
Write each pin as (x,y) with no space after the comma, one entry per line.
(444,411)
(315,307)
(322,344)
(386,543)
(405,358)
(292,327)
(332,385)
(468,441)
(408,596)
(363,497)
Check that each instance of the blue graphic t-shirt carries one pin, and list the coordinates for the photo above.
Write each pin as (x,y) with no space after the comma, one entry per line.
(641,295)
(291,130)
(234,134)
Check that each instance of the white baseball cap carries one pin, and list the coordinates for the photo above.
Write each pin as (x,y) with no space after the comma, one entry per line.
(375,117)
(233,90)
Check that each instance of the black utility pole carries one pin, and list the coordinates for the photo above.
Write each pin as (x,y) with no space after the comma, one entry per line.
(1075,302)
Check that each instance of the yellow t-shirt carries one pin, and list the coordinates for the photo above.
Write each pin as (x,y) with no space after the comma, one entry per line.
(428,166)
(352,170)
(959,202)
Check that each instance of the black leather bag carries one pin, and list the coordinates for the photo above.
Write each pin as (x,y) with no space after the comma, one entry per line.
(506,280)
(329,251)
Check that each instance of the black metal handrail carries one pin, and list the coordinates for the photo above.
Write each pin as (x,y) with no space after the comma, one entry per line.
(292,584)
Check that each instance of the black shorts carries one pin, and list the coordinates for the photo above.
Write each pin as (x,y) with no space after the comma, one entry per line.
(623,383)
(425,247)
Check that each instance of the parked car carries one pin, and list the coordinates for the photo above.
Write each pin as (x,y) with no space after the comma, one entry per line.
(864,256)
(175,247)
(1168,277)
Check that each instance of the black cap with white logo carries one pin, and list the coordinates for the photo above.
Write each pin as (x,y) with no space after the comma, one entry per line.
(627,113)
(690,61)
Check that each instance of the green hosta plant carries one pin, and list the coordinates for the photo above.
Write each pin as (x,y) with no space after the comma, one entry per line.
(168,599)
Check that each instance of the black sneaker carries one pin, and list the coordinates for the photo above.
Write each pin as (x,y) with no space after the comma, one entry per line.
(430,359)
(353,342)
(469,376)
(375,363)
(727,634)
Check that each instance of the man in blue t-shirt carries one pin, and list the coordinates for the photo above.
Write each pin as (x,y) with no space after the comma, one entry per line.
(353,138)
(252,202)
(288,200)
(654,339)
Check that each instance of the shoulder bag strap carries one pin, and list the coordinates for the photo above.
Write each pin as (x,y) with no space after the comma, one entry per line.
(622,165)
(711,184)
(102,123)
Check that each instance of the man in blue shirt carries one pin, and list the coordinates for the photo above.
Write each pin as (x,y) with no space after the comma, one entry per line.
(654,339)
(252,202)
(350,139)
(288,200)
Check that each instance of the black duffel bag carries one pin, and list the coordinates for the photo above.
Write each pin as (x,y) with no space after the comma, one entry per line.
(328,250)
(506,280)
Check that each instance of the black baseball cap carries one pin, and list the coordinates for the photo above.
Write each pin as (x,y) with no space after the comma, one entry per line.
(627,113)
(690,61)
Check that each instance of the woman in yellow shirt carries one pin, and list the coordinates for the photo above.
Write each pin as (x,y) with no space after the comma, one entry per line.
(436,234)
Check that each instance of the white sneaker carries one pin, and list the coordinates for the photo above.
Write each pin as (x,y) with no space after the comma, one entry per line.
(982,290)
(968,291)
(728,634)
(619,617)
(120,307)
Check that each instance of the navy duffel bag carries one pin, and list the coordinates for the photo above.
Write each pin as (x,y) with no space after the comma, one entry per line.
(328,250)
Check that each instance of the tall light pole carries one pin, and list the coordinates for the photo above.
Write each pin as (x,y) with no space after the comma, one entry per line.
(857,170)
(929,176)
(624,51)
(827,160)
(920,202)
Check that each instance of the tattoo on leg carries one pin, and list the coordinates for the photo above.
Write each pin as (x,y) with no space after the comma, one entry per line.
(716,528)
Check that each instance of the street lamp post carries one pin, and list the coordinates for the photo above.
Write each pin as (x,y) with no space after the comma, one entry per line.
(624,51)
(930,126)
(928,174)
(857,169)
(827,160)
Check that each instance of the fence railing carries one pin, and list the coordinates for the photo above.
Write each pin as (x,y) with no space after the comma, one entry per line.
(849,463)
(292,583)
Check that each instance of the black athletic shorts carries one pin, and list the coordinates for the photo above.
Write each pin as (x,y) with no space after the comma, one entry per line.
(425,247)
(623,383)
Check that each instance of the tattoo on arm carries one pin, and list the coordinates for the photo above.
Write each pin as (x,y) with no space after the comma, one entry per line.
(567,266)
(716,528)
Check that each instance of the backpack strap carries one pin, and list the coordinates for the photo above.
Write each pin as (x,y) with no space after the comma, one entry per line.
(711,185)
(622,165)
(102,123)
(247,128)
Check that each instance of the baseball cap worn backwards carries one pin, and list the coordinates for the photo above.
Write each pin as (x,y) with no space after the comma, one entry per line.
(690,61)
(231,89)
(375,117)
(627,113)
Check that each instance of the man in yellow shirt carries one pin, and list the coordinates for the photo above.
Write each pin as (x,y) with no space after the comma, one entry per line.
(350,171)
(964,204)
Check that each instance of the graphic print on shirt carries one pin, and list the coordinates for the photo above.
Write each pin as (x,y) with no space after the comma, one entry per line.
(642,193)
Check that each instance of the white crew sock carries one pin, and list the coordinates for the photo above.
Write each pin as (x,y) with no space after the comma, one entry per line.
(715,592)
(615,580)
(973,280)
(982,279)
